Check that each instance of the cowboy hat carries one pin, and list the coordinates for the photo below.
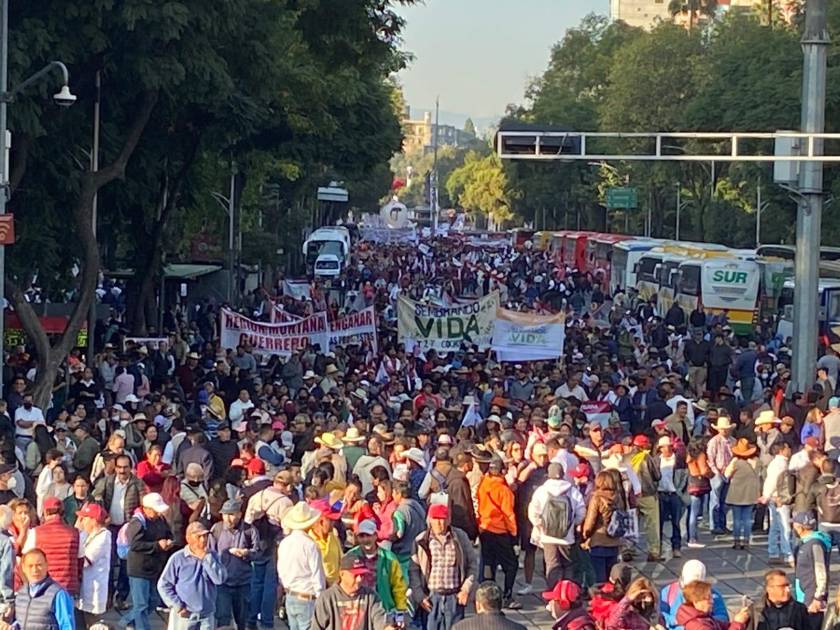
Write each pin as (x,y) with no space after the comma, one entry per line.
(353,436)
(702,405)
(723,423)
(766,417)
(300,516)
(330,441)
(743,448)
(331,369)
(416,455)
(308,374)
(193,355)
(360,394)
(216,407)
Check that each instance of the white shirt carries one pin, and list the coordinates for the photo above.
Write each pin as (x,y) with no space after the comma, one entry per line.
(564,392)
(93,597)
(666,469)
(117,508)
(29,415)
(554,488)
(269,501)
(45,478)
(238,409)
(299,564)
(798,460)
(777,466)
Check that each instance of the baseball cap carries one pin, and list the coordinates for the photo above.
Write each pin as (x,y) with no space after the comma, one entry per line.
(806,519)
(565,592)
(231,506)
(692,571)
(94,511)
(834,401)
(197,528)
(580,471)
(366,526)
(256,466)
(642,441)
(354,564)
(658,423)
(439,510)
(153,501)
(52,503)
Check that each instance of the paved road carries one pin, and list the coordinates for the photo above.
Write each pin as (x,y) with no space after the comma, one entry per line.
(736,573)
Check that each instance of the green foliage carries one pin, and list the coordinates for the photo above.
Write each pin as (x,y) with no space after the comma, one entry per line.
(480,186)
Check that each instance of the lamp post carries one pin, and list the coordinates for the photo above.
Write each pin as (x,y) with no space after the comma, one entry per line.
(64,98)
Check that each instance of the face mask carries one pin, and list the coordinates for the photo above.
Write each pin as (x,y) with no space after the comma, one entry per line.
(645,608)
(11,484)
(123,423)
(194,484)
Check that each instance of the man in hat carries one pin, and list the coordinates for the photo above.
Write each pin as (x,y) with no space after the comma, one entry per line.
(190,580)
(812,566)
(440,589)
(450,478)
(300,568)
(720,358)
(349,604)
(387,577)
(497,528)
(353,448)
(671,596)
(644,465)
(366,463)
(719,454)
(566,605)
(222,449)
(323,533)
(489,602)
(236,543)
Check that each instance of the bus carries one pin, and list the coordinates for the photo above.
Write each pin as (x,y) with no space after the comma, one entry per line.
(625,257)
(599,254)
(828,299)
(647,273)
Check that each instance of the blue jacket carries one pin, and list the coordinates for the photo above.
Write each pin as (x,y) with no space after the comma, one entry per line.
(812,568)
(243,536)
(190,583)
(671,598)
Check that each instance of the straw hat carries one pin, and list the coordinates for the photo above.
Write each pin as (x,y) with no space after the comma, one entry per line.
(416,455)
(331,369)
(723,423)
(330,441)
(353,436)
(300,516)
(766,417)
(743,448)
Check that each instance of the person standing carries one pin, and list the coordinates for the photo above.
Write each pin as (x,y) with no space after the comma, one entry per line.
(95,542)
(349,604)
(672,485)
(488,611)
(300,568)
(603,547)
(777,496)
(812,567)
(40,602)
(644,465)
(744,490)
(555,511)
(59,542)
(719,454)
(387,575)
(780,609)
(497,528)
(442,571)
(189,582)
(409,522)
(236,543)
(149,541)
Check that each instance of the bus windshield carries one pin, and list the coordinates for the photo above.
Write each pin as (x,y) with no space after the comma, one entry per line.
(689,283)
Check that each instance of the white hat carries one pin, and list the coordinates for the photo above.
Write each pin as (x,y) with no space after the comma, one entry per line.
(331,369)
(308,374)
(132,399)
(664,441)
(445,440)
(692,571)
(153,501)
(301,516)
(766,417)
(416,455)
(723,423)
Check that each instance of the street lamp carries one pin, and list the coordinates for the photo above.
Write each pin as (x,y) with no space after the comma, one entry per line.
(64,98)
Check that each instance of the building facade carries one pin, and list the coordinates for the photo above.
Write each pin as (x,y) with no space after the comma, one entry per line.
(419,134)
(648,13)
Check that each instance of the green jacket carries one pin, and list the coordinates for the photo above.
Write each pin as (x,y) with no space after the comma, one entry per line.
(391,585)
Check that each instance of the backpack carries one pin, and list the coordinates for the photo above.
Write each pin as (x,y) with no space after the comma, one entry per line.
(441,495)
(619,523)
(123,543)
(828,505)
(558,516)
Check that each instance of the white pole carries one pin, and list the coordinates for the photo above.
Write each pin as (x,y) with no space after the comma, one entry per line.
(94,166)
(679,207)
(758,215)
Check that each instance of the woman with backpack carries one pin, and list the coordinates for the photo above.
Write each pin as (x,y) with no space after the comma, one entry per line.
(602,531)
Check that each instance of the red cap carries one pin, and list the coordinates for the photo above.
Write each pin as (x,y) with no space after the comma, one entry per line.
(94,511)
(581,470)
(641,440)
(52,503)
(658,423)
(256,466)
(439,510)
(278,425)
(812,442)
(326,510)
(565,593)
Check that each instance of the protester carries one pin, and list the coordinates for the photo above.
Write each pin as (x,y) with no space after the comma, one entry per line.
(40,602)
(671,597)
(389,581)
(348,604)
(566,607)
(696,612)
(602,545)
(780,610)
(95,545)
(812,571)
(300,567)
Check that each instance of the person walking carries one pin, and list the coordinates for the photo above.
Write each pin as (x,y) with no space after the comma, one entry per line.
(555,511)
(598,537)
(386,574)
(744,490)
(189,582)
(673,479)
(777,496)
(349,604)
(236,543)
(300,568)
(95,544)
(442,571)
(719,454)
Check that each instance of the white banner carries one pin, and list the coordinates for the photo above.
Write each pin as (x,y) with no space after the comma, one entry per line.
(528,337)
(355,328)
(597,411)
(267,338)
(151,342)
(280,315)
(298,289)
(388,235)
(444,328)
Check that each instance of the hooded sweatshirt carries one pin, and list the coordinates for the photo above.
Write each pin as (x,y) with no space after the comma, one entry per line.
(812,568)
(541,496)
(692,619)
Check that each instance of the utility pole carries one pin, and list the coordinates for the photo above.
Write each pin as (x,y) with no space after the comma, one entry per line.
(231,208)
(758,214)
(5,187)
(94,166)
(679,207)
(434,200)
(815,42)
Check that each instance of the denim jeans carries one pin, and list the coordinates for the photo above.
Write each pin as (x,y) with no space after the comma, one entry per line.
(299,612)
(670,508)
(603,560)
(694,510)
(193,622)
(717,502)
(232,603)
(143,599)
(263,598)
(778,538)
(445,612)
(741,522)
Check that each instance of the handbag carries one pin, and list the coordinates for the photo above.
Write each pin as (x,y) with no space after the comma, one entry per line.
(699,485)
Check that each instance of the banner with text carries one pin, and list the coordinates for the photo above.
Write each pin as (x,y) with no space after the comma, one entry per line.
(444,328)
(266,338)
(528,337)
(354,329)
(386,234)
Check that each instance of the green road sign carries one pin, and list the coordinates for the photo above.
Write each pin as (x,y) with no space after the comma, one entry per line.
(622,197)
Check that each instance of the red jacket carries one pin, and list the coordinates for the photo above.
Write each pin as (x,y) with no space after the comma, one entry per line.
(60,543)
(692,619)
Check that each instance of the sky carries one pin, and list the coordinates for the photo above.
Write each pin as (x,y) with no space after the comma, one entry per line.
(479,55)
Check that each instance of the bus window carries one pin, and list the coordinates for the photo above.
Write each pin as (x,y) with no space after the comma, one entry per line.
(689,282)
(646,268)
(834,306)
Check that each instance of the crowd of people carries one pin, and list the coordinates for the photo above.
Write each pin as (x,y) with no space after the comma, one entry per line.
(341,488)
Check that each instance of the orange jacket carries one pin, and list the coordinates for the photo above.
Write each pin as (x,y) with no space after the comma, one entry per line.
(495,506)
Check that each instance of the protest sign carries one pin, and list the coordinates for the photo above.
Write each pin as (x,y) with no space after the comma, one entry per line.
(444,328)
(528,337)
(388,235)
(150,342)
(267,338)
(298,289)
(598,411)
(355,328)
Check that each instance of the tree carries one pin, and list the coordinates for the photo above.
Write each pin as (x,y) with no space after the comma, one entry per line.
(480,187)
(469,127)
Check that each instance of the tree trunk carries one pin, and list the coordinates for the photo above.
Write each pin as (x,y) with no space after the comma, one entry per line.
(50,357)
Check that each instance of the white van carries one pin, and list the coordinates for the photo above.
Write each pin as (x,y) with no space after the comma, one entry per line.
(327,250)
